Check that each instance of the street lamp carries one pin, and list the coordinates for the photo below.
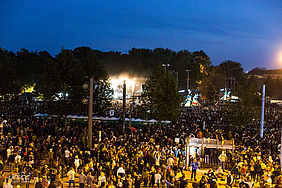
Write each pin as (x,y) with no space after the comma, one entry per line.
(172,72)
(165,65)
(188,78)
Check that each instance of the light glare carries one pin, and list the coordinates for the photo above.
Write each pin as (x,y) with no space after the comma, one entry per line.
(117,85)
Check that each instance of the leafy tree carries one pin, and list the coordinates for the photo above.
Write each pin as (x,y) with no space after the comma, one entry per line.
(65,75)
(200,68)
(234,74)
(161,98)
(46,77)
(26,67)
(211,84)
(67,71)
(228,74)
(180,63)
(9,84)
(248,107)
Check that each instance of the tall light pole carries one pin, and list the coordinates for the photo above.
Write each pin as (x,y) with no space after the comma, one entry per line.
(90,113)
(188,78)
(123,105)
(165,65)
(262,111)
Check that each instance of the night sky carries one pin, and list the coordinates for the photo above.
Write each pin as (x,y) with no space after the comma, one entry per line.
(246,31)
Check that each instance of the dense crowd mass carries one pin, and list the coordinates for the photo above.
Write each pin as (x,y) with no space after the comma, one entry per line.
(45,151)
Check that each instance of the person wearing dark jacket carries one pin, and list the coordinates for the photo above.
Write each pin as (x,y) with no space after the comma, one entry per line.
(38,183)
(258,171)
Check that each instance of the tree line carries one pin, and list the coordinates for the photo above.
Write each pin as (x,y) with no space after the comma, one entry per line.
(58,80)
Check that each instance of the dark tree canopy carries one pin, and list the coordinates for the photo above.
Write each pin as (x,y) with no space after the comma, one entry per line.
(161,97)
(58,79)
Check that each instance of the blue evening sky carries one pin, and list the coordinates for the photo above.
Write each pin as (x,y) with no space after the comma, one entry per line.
(246,31)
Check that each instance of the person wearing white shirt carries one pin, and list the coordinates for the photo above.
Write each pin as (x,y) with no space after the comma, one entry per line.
(121,172)
(18,159)
(76,162)
(170,161)
(102,180)
(9,152)
(158,177)
(67,153)
(71,175)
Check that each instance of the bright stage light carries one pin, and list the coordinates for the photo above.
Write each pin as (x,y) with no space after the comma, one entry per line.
(117,85)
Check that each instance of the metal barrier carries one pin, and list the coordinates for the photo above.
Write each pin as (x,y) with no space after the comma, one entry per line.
(211,143)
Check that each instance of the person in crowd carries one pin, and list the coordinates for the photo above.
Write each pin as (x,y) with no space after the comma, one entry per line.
(2,179)
(36,147)
(82,179)
(195,165)
(229,180)
(77,162)
(158,177)
(58,182)
(38,182)
(71,176)
(203,182)
(44,181)
(102,180)
(8,184)
(121,172)
(222,158)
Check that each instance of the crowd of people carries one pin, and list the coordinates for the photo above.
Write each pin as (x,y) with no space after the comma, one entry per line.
(46,151)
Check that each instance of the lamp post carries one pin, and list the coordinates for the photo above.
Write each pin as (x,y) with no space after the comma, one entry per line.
(165,65)
(188,78)
(172,72)
(262,111)
(176,73)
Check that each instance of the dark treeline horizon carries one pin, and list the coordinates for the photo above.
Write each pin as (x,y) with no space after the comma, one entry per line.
(137,62)
(68,70)
(28,66)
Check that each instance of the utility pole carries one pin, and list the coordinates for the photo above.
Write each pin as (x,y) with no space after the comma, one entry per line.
(123,105)
(90,113)
(188,78)
(262,111)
